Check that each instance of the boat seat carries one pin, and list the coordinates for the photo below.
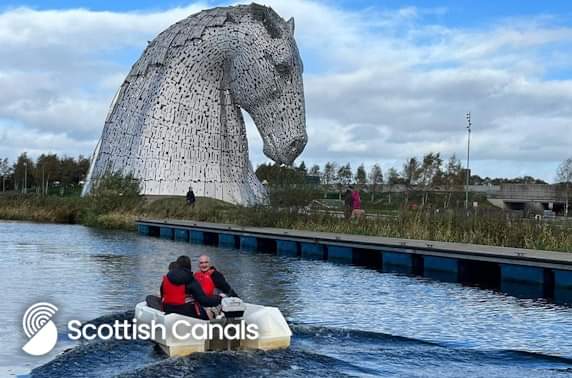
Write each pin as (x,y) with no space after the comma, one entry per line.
(153,301)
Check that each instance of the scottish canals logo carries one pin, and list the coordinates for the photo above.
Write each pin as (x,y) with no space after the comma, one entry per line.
(42,332)
(40,329)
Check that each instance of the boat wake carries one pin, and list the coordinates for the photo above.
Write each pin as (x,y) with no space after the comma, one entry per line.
(315,350)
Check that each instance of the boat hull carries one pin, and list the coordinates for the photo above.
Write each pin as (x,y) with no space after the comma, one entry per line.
(273,331)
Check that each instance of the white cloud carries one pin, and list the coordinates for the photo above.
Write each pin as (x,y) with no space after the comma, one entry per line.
(15,140)
(381,85)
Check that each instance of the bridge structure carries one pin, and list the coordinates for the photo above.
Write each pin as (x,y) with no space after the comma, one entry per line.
(535,198)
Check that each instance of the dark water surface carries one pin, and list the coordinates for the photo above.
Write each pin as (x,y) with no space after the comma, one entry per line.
(347,321)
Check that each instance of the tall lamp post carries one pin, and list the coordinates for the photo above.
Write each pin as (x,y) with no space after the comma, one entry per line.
(468,174)
(25,177)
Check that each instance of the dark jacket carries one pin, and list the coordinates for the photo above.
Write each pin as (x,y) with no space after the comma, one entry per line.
(348,201)
(221,284)
(190,196)
(182,276)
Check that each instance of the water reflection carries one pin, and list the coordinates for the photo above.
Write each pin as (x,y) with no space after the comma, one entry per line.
(89,273)
(563,295)
(522,289)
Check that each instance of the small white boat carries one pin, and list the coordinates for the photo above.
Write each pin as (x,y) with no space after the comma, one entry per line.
(273,330)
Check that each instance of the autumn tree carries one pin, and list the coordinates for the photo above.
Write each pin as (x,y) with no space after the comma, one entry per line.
(375,179)
(564,175)
(429,170)
(5,172)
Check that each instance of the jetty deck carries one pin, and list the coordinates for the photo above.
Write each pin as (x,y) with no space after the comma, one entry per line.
(481,264)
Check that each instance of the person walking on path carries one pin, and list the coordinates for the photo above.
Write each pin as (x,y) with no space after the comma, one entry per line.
(357,211)
(348,203)
(191,197)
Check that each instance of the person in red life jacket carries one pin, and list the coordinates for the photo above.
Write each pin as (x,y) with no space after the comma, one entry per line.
(154,301)
(182,294)
(211,280)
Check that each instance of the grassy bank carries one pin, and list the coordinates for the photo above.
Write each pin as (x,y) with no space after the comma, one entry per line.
(120,213)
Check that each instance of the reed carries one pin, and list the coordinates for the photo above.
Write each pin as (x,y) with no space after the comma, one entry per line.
(490,228)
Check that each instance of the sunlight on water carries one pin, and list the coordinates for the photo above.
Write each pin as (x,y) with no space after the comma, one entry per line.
(345,319)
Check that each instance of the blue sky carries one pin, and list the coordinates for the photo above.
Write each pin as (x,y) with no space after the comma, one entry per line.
(466,13)
(384,80)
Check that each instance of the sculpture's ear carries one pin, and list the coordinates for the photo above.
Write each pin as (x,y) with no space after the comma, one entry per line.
(291,25)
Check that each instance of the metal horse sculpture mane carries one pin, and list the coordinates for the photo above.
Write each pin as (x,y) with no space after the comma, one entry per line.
(176,120)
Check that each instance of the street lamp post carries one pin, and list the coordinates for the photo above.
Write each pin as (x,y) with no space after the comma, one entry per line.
(25,177)
(468,174)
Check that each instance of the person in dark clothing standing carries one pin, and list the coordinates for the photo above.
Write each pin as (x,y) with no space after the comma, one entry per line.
(211,280)
(182,294)
(348,203)
(191,197)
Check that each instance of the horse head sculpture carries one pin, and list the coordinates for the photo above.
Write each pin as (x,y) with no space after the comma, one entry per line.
(176,120)
(275,99)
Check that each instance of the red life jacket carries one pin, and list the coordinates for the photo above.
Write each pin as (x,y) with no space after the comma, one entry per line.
(206,281)
(172,294)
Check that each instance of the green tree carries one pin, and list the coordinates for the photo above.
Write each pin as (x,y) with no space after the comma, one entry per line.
(329,176)
(375,179)
(47,169)
(454,173)
(5,172)
(82,169)
(429,171)
(115,191)
(453,177)
(361,176)
(277,175)
(564,175)
(23,172)
(315,170)
(411,171)
(345,175)
(68,168)
(393,177)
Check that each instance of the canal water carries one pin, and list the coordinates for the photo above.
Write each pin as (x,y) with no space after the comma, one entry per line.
(347,320)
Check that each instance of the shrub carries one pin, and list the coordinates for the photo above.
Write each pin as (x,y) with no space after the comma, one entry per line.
(115,191)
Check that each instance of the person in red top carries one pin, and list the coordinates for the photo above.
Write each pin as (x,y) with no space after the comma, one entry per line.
(357,211)
(356,199)
(211,280)
(182,294)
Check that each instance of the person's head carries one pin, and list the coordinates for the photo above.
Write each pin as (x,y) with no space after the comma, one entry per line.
(204,263)
(183,262)
(172,266)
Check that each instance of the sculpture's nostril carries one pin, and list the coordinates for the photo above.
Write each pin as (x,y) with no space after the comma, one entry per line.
(296,144)
(293,145)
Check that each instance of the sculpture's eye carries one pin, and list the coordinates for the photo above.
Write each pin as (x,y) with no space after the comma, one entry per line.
(282,68)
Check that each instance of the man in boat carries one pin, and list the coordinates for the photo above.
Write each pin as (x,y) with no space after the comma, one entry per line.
(211,280)
(182,294)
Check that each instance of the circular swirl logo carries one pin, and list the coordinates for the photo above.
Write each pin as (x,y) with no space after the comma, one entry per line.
(40,328)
